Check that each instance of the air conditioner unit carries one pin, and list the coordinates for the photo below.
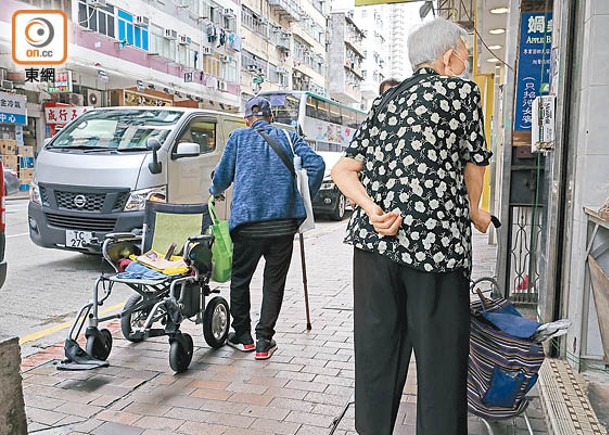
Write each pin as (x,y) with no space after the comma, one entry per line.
(227,12)
(227,59)
(222,86)
(171,34)
(252,68)
(7,85)
(142,20)
(206,51)
(93,98)
(264,21)
(96,3)
(184,40)
(281,70)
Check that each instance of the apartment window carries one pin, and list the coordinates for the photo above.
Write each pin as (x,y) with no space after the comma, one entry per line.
(254,22)
(248,59)
(129,32)
(99,19)
(64,5)
(211,65)
(229,72)
(160,45)
(279,78)
(186,56)
(364,74)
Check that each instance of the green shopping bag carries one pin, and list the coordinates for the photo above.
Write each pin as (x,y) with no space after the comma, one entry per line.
(222,248)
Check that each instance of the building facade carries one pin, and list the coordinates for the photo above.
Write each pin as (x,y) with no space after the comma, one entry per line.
(346,53)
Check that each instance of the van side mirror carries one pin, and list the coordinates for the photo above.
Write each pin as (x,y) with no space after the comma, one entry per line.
(188,149)
(153,144)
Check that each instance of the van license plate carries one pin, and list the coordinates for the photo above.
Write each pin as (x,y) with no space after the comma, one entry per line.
(77,239)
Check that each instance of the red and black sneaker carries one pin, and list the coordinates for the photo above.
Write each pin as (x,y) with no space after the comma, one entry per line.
(243,342)
(265,348)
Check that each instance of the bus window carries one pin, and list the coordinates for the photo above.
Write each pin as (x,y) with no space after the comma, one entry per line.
(311,107)
(323,111)
(335,116)
(349,118)
(284,107)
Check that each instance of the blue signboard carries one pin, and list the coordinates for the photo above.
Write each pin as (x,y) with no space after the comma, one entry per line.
(533,65)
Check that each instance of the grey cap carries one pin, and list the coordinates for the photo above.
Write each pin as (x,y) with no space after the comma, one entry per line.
(257,106)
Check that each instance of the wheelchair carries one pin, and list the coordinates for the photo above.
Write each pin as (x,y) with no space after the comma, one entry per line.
(166,300)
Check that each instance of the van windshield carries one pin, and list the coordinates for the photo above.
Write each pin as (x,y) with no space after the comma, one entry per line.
(120,130)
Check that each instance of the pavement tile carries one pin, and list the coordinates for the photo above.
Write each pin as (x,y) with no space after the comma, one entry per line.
(147,408)
(203,383)
(275,427)
(159,423)
(111,428)
(187,414)
(206,393)
(234,431)
(80,410)
(223,406)
(299,376)
(196,428)
(231,420)
(250,399)
(266,412)
(309,419)
(287,393)
(85,427)
(334,380)
(307,386)
(121,417)
(41,402)
(240,387)
(267,381)
(293,404)
(43,416)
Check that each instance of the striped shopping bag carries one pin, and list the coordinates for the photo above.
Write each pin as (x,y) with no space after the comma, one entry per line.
(502,368)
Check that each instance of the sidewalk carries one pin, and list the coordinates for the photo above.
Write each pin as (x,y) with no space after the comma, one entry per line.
(300,390)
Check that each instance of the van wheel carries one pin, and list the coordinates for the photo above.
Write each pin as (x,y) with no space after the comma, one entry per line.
(339,211)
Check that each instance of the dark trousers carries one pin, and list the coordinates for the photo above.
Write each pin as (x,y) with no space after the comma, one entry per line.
(398,309)
(247,251)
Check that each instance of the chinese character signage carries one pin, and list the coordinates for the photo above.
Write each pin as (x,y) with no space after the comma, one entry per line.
(62,82)
(61,115)
(533,65)
(13,109)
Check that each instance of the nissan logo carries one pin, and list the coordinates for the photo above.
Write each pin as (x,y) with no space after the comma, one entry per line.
(80,201)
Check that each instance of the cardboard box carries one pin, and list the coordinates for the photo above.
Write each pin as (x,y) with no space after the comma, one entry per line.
(8,147)
(26,173)
(26,151)
(10,161)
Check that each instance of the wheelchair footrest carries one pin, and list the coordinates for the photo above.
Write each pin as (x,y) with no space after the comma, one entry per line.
(156,333)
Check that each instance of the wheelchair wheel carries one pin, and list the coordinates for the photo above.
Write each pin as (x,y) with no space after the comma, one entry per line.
(180,352)
(216,322)
(99,344)
(133,320)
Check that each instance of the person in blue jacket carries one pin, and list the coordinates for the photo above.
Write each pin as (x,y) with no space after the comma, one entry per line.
(266,211)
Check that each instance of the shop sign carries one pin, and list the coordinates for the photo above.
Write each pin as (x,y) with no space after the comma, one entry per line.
(62,83)
(135,99)
(63,115)
(533,65)
(13,109)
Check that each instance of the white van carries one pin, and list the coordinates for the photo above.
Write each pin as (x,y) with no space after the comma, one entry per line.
(95,176)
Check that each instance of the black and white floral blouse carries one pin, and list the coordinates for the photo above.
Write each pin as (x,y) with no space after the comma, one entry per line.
(414,154)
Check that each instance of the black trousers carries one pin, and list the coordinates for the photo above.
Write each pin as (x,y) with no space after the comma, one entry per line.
(398,309)
(247,251)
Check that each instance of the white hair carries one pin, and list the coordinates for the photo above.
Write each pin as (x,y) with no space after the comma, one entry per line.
(429,41)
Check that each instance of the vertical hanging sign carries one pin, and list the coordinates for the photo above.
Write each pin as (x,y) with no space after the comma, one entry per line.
(533,65)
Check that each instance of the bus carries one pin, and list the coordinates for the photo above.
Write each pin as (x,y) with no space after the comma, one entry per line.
(325,124)
(328,127)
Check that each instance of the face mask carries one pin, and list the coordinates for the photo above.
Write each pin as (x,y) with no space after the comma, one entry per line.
(466,74)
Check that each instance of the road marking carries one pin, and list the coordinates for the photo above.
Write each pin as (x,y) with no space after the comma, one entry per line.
(17,235)
(35,336)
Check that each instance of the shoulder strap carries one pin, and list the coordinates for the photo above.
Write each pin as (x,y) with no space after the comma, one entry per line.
(278,150)
(287,135)
(397,89)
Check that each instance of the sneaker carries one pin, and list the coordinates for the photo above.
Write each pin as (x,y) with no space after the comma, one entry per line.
(265,348)
(243,342)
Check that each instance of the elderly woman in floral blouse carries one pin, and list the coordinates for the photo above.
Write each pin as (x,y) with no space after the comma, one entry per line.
(415,169)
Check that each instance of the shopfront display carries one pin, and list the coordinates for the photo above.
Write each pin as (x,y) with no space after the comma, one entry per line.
(13,119)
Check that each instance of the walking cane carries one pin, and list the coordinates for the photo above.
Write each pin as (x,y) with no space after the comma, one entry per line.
(303,263)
